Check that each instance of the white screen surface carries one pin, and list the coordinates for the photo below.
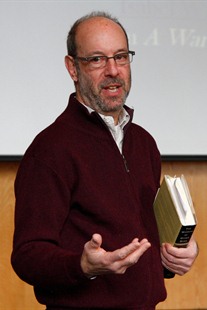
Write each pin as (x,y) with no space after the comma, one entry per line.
(169,70)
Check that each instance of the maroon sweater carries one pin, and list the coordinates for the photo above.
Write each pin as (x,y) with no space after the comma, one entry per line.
(73,182)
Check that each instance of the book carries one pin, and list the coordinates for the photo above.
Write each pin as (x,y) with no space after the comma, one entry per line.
(174,212)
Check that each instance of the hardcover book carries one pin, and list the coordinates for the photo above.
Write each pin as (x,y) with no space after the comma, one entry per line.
(174,212)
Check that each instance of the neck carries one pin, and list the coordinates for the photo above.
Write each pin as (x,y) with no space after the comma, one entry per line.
(115,114)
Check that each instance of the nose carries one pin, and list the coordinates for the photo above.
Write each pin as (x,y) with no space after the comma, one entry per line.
(111,68)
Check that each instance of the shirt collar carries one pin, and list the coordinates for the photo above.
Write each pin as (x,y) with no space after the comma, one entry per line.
(123,117)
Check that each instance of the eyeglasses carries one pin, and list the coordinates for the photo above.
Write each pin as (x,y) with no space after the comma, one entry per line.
(96,62)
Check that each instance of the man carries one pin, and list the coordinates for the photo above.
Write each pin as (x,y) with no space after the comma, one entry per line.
(85,233)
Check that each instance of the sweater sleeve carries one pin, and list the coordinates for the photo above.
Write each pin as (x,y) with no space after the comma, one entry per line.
(42,206)
(156,161)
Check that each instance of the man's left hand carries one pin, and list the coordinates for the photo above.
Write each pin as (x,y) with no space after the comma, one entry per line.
(179,260)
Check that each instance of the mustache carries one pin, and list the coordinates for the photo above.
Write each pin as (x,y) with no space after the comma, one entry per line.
(110,81)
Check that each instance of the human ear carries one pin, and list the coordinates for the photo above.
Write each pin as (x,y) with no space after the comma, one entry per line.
(70,65)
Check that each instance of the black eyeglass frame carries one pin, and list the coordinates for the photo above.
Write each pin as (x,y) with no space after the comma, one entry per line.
(88,59)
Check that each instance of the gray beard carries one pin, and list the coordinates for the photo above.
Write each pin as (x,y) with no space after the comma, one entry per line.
(96,102)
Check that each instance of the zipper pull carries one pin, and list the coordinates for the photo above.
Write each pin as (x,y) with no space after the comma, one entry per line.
(125,163)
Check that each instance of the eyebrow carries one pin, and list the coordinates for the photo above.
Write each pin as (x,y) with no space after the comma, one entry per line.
(102,53)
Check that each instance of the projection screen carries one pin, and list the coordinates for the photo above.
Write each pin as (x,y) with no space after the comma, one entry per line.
(169,71)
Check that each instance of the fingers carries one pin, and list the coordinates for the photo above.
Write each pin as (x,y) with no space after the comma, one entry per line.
(96,260)
(122,259)
(178,260)
(181,253)
(135,247)
(176,267)
(168,261)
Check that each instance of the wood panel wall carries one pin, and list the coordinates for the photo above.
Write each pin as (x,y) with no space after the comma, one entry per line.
(187,292)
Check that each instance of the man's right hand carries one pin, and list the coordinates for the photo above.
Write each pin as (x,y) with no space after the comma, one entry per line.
(96,261)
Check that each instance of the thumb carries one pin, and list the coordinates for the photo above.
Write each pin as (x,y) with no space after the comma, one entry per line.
(96,241)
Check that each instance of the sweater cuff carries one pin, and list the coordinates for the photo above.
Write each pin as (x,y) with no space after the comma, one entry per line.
(74,271)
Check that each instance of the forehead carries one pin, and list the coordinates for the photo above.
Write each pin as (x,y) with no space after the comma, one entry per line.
(100,34)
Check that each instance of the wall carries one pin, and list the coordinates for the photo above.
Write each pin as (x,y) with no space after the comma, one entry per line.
(187,292)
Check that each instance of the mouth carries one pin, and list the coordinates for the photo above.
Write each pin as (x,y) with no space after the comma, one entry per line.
(112,88)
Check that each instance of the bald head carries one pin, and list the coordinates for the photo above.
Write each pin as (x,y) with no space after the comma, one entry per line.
(97,33)
(92,18)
